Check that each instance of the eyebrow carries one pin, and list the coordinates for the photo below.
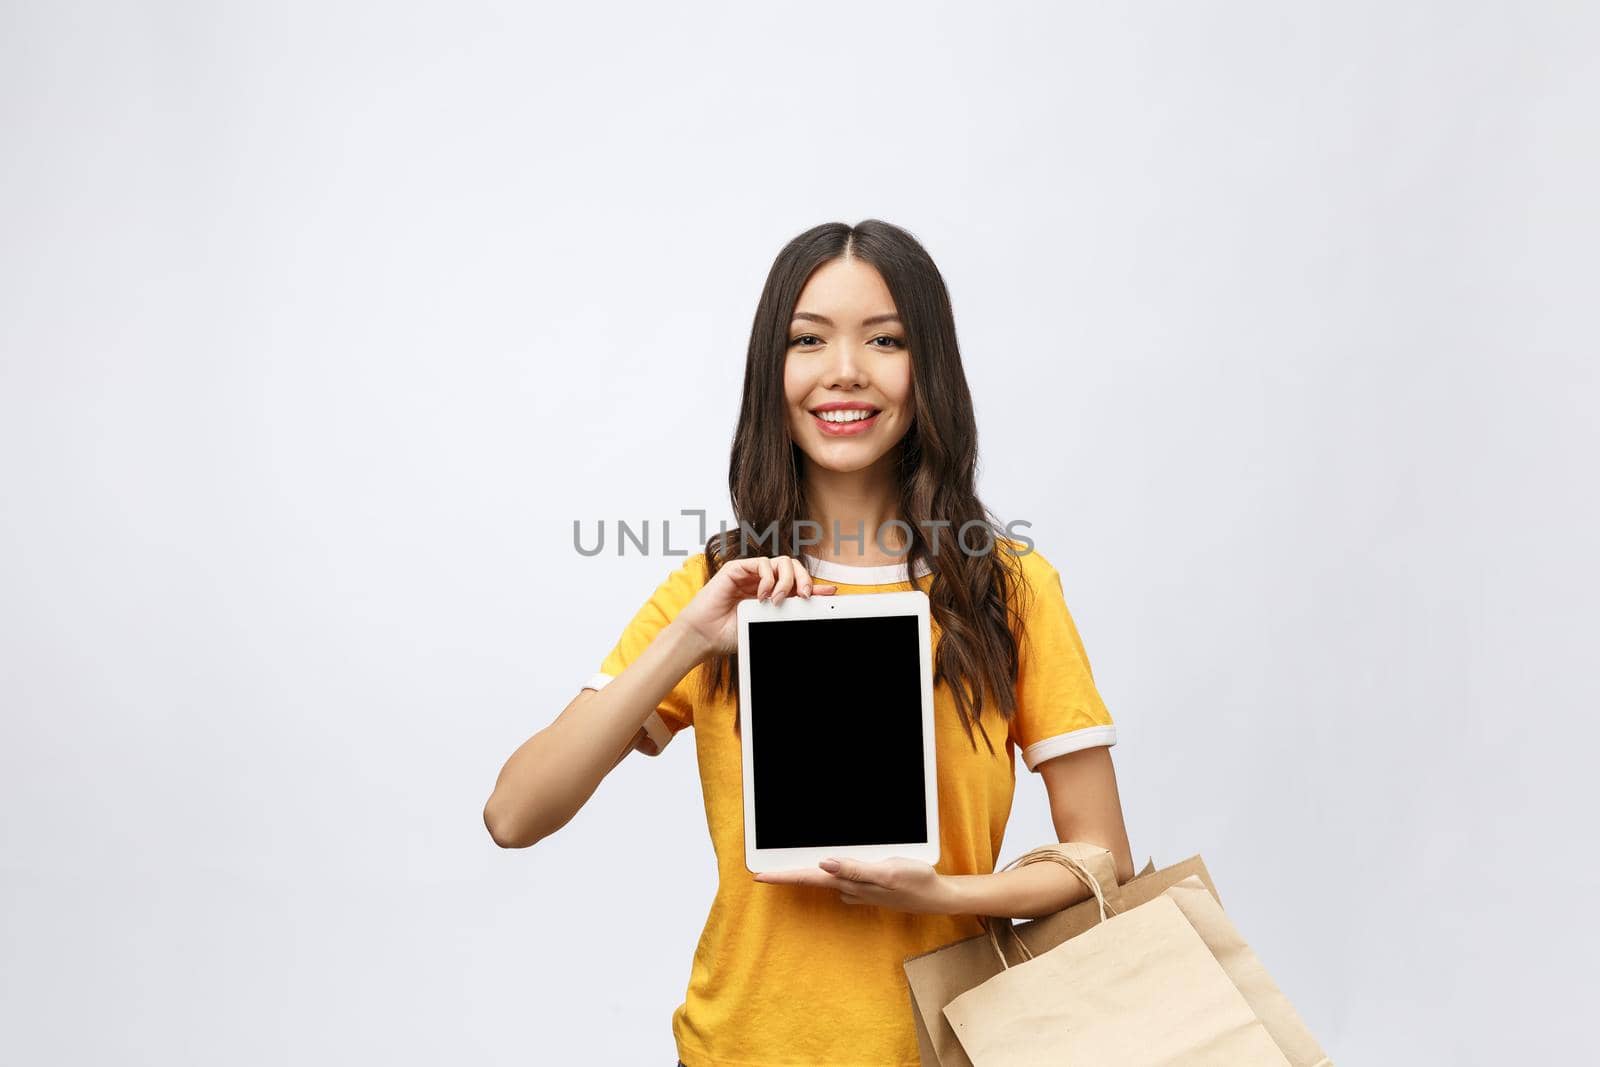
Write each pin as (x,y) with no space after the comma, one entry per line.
(873,321)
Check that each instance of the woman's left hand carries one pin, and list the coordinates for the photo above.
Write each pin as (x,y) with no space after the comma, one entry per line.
(903,885)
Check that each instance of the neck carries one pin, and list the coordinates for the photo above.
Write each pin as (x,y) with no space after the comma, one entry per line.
(846,504)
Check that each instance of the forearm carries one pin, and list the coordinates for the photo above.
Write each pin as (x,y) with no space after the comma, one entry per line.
(1021,893)
(553,774)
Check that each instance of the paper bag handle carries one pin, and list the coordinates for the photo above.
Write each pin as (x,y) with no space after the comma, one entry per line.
(1044,854)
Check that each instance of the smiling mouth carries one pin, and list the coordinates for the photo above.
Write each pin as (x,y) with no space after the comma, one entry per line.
(846,422)
(846,414)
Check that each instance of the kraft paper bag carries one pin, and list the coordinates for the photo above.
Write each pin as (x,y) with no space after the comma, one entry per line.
(1247,974)
(1139,989)
(938,977)
(1168,981)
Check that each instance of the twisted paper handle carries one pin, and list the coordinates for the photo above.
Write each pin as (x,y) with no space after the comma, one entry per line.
(1043,854)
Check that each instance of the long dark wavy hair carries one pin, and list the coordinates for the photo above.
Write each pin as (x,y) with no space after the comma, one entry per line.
(972,596)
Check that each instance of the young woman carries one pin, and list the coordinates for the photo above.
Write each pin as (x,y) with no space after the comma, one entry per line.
(854,459)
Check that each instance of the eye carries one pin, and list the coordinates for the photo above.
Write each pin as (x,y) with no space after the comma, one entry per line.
(805,337)
(894,342)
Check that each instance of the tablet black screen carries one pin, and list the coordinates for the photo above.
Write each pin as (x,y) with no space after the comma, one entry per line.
(837,744)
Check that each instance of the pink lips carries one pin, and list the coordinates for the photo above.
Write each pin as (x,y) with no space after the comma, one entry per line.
(846,429)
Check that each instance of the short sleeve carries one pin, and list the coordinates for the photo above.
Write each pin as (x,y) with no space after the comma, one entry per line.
(676,710)
(1059,709)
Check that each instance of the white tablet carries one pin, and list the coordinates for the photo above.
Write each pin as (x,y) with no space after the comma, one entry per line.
(836,723)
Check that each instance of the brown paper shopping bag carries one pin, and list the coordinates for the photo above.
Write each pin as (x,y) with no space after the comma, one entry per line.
(1168,981)
(938,977)
(1137,990)
(1247,974)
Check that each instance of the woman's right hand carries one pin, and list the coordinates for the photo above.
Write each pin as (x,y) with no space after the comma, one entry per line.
(712,615)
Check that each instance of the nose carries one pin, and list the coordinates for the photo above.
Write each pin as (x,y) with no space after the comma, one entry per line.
(845,369)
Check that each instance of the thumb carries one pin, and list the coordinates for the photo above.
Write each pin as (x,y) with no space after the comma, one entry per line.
(849,870)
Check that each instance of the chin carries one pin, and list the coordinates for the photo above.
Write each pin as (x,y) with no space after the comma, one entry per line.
(843,465)
(846,456)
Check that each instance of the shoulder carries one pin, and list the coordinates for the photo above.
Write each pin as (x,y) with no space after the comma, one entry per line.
(683,582)
(671,595)
(1029,559)
(1030,571)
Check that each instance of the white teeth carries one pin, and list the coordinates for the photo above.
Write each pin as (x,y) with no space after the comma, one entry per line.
(855,415)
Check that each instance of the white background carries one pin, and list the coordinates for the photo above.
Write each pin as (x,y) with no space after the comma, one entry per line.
(323,322)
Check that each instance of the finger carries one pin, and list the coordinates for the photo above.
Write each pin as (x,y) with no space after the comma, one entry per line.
(805,876)
(743,573)
(855,871)
(783,567)
(851,898)
(824,590)
(768,578)
(802,580)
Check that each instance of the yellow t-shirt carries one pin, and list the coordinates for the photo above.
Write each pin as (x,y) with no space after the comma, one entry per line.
(789,974)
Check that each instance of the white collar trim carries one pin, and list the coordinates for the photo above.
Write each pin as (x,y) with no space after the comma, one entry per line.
(853,574)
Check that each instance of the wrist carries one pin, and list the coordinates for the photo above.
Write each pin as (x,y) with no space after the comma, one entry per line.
(953,894)
(688,641)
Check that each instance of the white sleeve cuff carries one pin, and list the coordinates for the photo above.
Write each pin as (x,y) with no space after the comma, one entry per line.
(1061,744)
(653,726)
